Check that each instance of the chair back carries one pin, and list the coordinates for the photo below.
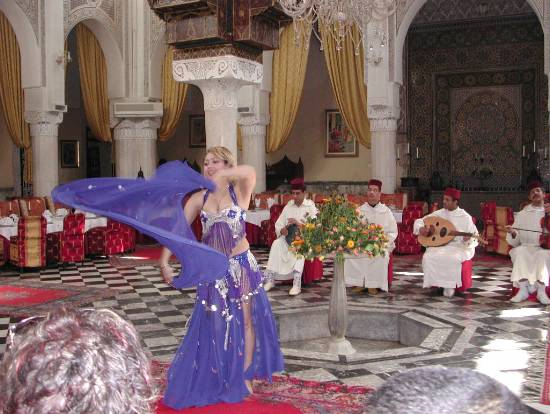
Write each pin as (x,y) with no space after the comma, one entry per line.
(31,240)
(73,224)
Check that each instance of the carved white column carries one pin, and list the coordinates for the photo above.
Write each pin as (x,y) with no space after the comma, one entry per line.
(45,150)
(383,126)
(253,133)
(219,79)
(136,146)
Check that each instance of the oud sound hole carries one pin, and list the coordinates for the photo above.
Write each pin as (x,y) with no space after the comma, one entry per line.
(443,232)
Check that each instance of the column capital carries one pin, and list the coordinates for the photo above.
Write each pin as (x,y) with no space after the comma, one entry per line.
(253,125)
(43,122)
(137,128)
(383,118)
(218,67)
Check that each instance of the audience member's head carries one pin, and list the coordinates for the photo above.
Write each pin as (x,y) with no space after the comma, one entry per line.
(438,390)
(77,361)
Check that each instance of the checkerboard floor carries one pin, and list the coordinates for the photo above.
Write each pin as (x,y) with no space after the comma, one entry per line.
(505,340)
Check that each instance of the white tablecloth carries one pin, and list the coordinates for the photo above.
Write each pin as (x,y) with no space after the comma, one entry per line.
(257,216)
(54,225)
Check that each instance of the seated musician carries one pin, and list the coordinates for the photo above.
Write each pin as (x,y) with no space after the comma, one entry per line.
(372,273)
(442,265)
(284,264)
(531,263)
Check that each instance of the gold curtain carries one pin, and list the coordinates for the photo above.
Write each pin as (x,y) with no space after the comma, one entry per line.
(289,69)
(173,98)
(93,82)
(346,71)
(12,99)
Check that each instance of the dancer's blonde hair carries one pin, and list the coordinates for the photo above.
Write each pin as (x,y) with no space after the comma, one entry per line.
(224,154)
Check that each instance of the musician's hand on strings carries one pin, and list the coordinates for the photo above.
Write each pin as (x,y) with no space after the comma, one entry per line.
(424,231)
(512,231)
(466,238)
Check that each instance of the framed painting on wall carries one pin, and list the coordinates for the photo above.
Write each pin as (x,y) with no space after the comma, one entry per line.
(70,157)
(197,131)
(340,141)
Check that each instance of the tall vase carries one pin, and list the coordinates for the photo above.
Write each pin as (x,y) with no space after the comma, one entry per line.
(338,312)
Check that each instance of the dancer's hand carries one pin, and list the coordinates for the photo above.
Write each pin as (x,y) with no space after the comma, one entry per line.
(167,273)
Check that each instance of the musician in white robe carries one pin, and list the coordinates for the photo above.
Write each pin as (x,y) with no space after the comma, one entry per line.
(284,264)
(372,273)
(531,263)
(442,265)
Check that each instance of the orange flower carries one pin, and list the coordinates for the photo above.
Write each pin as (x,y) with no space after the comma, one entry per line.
(350,244)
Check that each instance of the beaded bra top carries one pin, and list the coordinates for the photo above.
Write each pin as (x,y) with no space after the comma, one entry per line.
(233,216)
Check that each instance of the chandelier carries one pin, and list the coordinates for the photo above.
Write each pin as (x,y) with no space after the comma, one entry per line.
(339,19)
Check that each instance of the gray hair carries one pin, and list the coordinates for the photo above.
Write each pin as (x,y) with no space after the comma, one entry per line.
(78,361)
(439,390)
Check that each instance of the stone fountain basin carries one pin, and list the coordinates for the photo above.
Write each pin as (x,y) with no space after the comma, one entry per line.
(375,333)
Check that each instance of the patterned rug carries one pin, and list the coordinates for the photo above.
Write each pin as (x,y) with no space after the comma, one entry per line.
(286,395)
(143,255)
(24,298)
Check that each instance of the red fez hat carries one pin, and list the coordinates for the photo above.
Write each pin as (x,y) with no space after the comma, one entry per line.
(534,184)
(298,184)
(452,192)
(375,182)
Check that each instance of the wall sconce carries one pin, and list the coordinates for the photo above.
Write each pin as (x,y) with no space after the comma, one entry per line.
(63,58)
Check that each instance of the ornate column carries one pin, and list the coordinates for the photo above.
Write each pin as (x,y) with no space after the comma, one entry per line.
(383,126)
(219,78)
(136,146)
(45,150)
(253,133)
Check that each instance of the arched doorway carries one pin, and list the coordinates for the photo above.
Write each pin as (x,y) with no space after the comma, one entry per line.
(475,97)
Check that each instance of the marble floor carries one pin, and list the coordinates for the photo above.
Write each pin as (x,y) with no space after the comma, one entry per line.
(480,329)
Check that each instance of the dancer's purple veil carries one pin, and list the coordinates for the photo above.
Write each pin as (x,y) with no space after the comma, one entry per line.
(154,207)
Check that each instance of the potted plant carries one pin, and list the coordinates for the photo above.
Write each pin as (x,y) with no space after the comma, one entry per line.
(338,231)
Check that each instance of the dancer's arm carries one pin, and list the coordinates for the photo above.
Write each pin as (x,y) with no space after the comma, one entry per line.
(244,177)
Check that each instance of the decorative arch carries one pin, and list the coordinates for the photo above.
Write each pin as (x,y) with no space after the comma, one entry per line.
(113,56)
(31,62)
(413,10)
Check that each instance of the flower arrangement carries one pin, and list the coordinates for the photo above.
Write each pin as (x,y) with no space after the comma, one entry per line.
(338,230)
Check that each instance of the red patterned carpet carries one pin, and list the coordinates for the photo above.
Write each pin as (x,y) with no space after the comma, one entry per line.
(286,395)
(28,298)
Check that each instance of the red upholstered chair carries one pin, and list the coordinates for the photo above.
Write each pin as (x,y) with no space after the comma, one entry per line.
(129,237)
(313,270)
(9,207)
(105,241)
(53,247)
(269,230)
(467,270)
(28,248)
(32,206)
(488,215)
(72,240)
(406,242)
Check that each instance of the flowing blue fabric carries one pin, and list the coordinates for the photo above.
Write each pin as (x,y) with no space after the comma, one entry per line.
(154,207)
